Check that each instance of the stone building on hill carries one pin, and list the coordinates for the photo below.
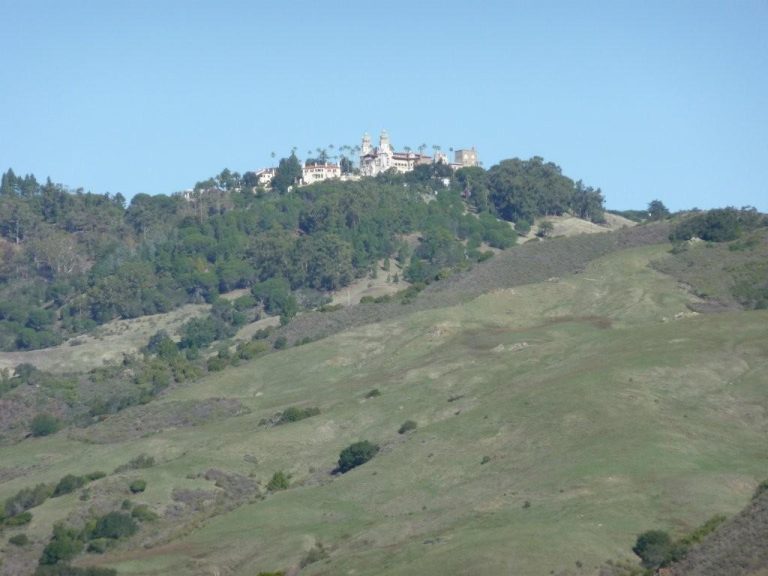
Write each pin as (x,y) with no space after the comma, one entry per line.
(375,160)
(465,157)
(312,173)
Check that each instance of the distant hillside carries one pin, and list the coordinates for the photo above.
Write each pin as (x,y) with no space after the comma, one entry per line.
(70,260)
(724,274)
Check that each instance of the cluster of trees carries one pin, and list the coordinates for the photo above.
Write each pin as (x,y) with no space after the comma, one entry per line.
(72,260)
(719,225)
(522,190)
(99,534)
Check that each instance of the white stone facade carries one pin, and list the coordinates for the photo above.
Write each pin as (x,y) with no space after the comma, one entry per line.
(319,172)
(375,160)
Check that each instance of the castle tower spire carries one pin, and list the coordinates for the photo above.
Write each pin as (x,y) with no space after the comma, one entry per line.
(366,148)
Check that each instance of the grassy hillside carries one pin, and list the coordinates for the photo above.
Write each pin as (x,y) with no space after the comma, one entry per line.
(555,422)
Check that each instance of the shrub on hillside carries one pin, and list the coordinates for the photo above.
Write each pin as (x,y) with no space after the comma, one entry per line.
(216,364)
(99,545)
(19,540)
(653,547)
(356,454)
(294,414)
(67,484)
(65,544)
(407,426)
(141,461)
(18,520)
(142,513)
(27,498)
(44,425)
(114,525)
(279,481)
(138,486)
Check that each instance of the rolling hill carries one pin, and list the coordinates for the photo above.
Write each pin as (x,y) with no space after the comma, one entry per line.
(566,397)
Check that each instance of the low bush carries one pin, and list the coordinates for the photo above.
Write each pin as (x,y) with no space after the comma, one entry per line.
(262,333)
(65,544)
(99,545)
(18,520)
(69,483)
(294,414)
(44,425)
(19,540)
(141,461)
(280,343)
(216,364)
(407,426)
(27,498)
(653,547)
(142,513)
(375,393)
(248,350)
(138,486)
(279,481)
(356,454)
(114,525)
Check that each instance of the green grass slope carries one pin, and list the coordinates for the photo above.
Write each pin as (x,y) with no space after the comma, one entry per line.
(556,421)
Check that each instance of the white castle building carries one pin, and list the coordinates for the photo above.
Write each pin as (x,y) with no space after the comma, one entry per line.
(375,160)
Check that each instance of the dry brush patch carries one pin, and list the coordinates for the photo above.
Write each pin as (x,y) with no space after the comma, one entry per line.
(153,418)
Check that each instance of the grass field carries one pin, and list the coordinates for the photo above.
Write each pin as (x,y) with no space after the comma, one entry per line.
(556,421)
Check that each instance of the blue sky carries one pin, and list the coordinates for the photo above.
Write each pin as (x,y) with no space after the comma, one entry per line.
(652,99)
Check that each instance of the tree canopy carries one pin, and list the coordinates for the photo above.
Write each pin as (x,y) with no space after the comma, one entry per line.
(70,260)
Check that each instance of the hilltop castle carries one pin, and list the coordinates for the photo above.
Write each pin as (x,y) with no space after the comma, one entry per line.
(375,160)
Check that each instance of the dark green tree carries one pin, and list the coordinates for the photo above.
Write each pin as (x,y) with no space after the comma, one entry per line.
(653,547)
(65,544)
(288,174)
(44,425)
(356,454)
(114,525)
(657,210)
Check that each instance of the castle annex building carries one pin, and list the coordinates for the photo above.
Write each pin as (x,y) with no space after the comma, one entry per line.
(375,160)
